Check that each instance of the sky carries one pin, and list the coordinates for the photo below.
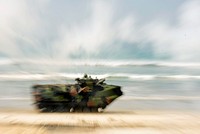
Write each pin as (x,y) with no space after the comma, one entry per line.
(100,29)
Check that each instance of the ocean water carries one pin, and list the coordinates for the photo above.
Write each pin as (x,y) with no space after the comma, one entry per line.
(146,85)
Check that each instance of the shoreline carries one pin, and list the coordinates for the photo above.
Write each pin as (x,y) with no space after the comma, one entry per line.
(125,105)
(148,122)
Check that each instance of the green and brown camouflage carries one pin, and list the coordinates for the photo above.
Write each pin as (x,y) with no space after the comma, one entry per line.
(87,95)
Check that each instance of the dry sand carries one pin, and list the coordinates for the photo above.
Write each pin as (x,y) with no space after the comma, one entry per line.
(126,122)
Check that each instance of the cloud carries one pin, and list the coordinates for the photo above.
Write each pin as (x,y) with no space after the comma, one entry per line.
(17,27)
(29,30)
(100,28)
(179,40)
(89,34)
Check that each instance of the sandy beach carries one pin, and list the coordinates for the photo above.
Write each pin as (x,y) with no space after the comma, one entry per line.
(127,122)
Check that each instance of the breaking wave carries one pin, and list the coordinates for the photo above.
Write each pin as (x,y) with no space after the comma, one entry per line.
(160,98)
(100,63)
(14,98)
(108,76)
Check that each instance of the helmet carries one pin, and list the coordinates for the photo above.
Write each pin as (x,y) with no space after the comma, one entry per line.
(85,76)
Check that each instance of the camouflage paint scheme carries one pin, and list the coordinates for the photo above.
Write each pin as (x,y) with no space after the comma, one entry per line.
(87,95)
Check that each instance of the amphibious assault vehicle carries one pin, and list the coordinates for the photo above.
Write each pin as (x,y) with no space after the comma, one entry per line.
(86,95)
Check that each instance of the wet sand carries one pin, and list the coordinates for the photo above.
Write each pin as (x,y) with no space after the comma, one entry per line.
(115,122)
